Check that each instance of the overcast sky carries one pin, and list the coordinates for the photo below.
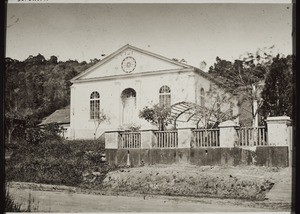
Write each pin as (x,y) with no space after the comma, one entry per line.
(195,32)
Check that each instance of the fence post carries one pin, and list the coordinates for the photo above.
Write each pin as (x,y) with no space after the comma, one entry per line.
(228,133)
(185,137)
(278,130)
(279,133)
(111,140)
(147,139)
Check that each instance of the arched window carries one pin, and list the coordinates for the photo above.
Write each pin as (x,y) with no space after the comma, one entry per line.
(128,93)
(202,97)
(165,96)
(94,105)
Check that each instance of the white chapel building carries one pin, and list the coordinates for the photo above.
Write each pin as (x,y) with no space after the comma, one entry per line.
(124,83)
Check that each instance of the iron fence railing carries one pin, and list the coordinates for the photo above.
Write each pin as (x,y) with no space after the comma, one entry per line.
(166,139)
(130,140)
(252,136)
(206,137)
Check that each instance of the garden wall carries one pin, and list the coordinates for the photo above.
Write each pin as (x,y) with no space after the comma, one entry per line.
(273,156)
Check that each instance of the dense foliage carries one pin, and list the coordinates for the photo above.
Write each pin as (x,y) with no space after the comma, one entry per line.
(278,93)
(56,162)
(253,79)
(40,134)
(35,88)
(157,115)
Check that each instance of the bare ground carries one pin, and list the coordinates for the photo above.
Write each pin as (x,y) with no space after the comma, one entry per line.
(165,188)
(67,201)
(247,182)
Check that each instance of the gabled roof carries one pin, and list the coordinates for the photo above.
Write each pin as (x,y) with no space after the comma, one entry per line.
(60,116)
(109,57)
(209,77)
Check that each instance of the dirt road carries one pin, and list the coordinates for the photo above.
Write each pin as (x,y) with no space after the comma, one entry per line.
(63,201)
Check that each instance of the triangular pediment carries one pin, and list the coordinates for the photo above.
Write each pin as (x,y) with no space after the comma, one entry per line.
(130,60)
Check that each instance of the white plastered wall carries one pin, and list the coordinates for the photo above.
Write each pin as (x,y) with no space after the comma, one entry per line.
(182,85)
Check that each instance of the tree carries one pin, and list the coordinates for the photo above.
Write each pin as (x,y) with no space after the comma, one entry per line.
(53,60)
(245,77)
(216,107)
(157,115)
(16,109)
(100,117)
(36,87)
(278,93)
(220,108)
(12,122)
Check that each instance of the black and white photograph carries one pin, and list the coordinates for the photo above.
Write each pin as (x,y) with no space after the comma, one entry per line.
(149,106)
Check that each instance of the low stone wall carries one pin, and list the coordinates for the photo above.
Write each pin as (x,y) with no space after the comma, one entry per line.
(273,156)
(147,156)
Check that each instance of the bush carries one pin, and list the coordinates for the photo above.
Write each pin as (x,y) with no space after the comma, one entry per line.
(55,162)
(40,134)
(34,135)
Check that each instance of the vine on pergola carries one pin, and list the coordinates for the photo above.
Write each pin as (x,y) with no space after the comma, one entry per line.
(218,108)
(209,117)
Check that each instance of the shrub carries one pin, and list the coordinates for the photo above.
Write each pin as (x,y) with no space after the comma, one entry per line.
(55,162)
(157,115)
(34,135)
(40,134)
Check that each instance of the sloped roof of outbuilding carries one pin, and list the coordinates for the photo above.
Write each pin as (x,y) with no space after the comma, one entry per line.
(60,116)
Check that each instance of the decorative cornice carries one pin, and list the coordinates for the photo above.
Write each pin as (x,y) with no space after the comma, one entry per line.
(109,57)
(133,75)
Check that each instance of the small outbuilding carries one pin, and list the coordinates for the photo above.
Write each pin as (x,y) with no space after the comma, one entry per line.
(62,118)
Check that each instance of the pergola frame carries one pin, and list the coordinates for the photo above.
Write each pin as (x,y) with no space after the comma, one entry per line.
(194,111)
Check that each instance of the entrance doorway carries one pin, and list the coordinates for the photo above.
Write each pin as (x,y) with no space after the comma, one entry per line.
(129,114)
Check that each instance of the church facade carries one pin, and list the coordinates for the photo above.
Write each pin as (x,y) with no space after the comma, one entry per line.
(125,82)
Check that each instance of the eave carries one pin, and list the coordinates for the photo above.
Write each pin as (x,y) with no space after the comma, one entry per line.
(135,75)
